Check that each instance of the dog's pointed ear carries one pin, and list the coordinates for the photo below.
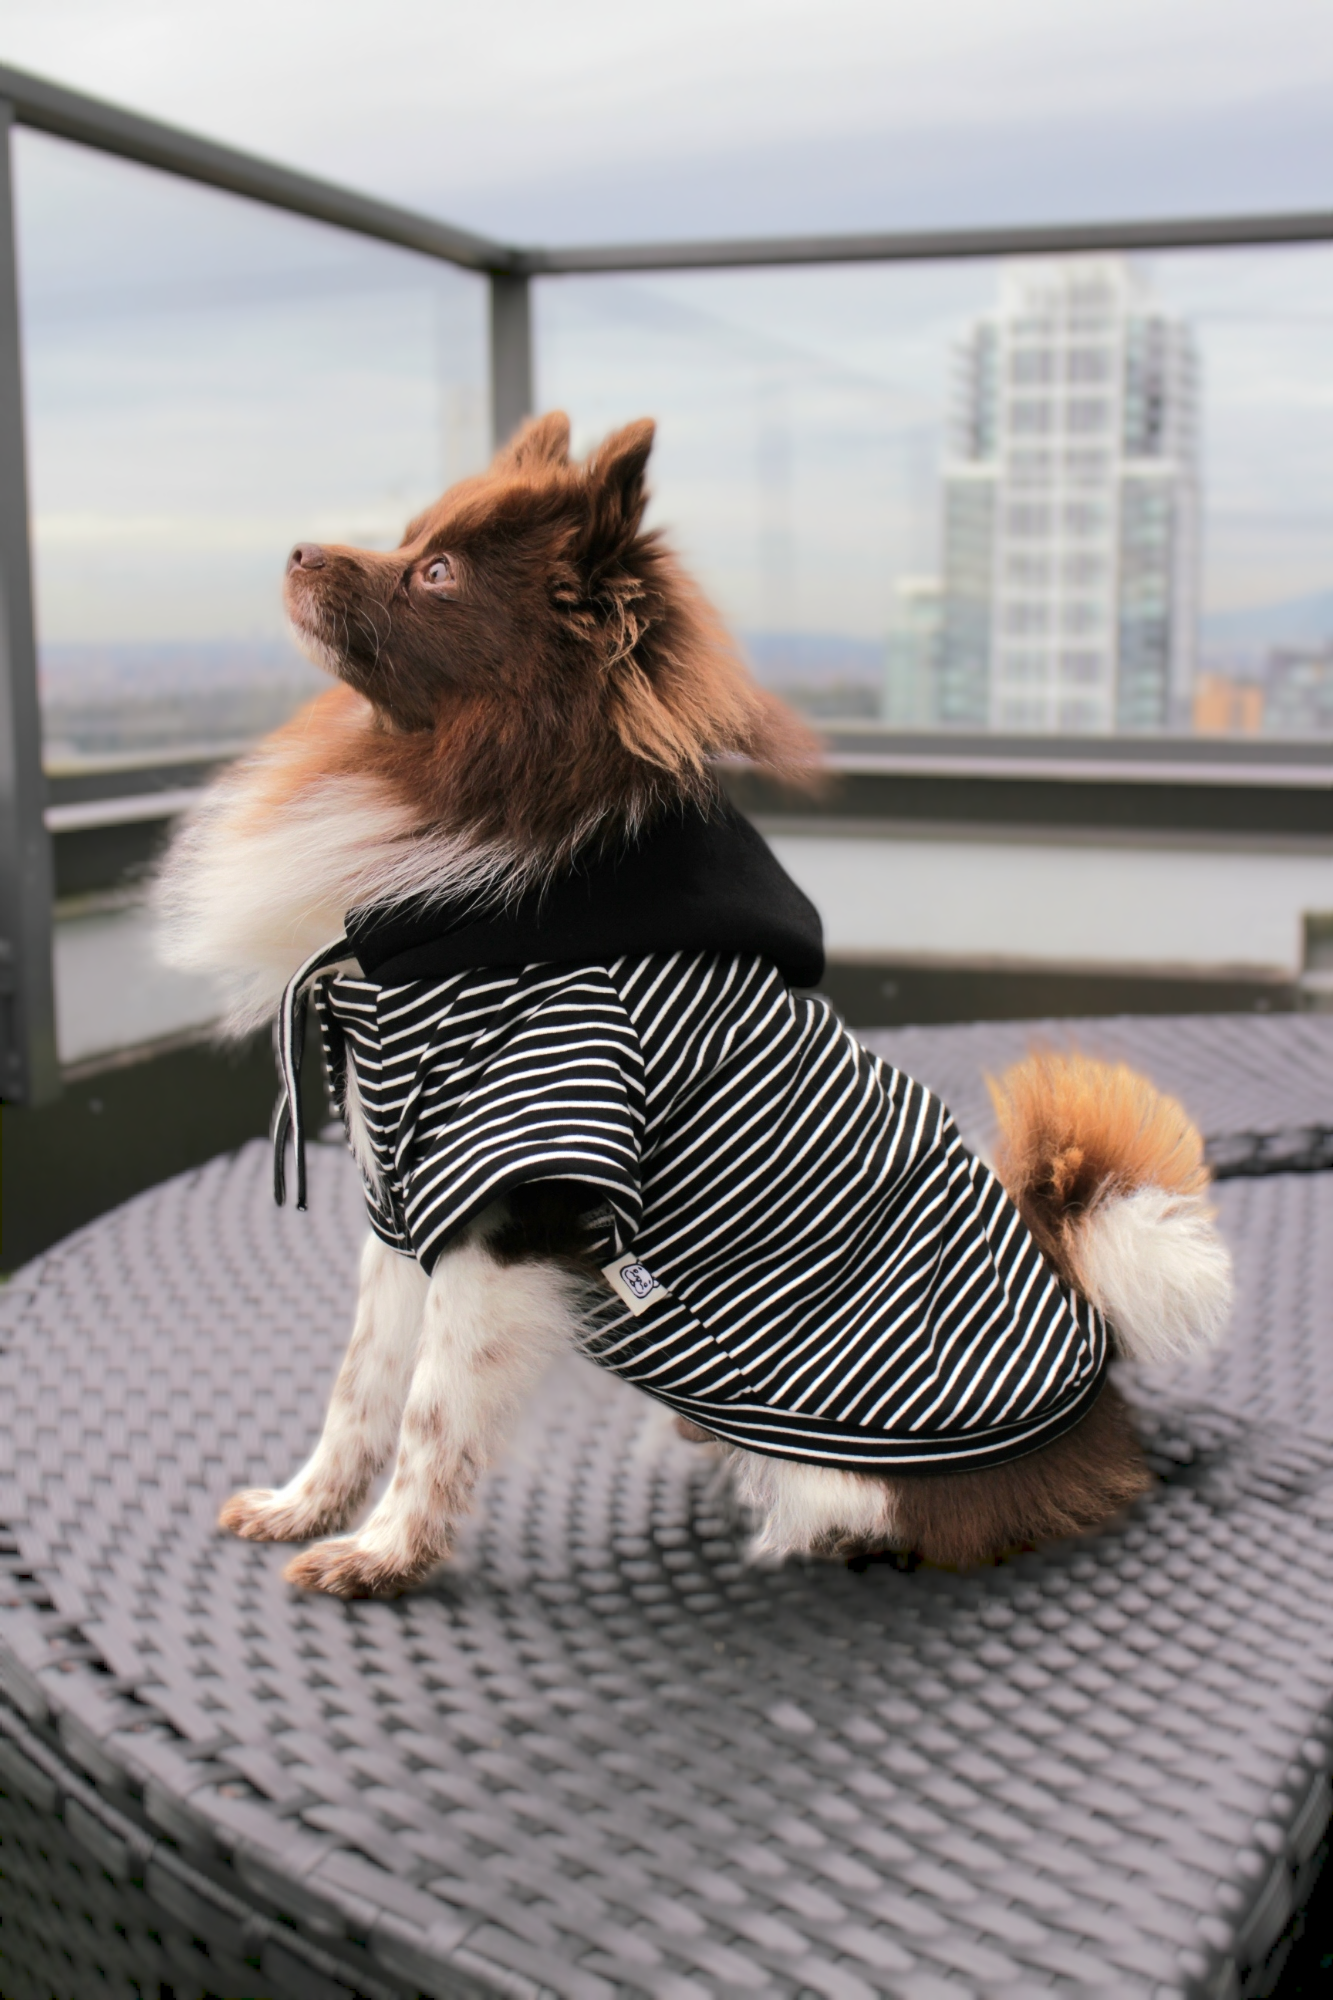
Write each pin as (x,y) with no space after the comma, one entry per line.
(541,442)
(616,491)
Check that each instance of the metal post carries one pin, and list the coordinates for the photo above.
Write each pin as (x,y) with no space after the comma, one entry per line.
(29,1071)
(511,355)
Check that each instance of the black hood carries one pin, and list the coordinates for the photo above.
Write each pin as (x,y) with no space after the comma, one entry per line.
(691,883)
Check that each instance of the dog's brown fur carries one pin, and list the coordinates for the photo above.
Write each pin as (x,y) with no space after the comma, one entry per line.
(567,687)
(959,1519)
(1074,1131)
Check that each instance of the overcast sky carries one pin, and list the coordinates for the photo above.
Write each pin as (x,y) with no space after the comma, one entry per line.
(184,350)
(594,118)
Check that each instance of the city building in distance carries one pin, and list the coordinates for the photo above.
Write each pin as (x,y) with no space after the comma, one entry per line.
(912,663)
(1070,558)
(1298,692)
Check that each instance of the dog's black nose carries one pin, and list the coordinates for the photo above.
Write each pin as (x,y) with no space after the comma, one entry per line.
(306,555)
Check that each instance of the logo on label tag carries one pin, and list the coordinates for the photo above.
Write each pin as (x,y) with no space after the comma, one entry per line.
(633,1282)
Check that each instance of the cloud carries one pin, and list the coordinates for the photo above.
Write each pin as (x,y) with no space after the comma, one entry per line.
(184,348)
(510,110)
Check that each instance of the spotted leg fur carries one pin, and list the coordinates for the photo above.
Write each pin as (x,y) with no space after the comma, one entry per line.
(487,1331)
(364,1413)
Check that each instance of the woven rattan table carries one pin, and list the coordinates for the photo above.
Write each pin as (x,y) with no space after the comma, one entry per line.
(601,1757)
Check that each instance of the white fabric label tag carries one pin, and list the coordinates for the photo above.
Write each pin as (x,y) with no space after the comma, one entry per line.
(634,1283)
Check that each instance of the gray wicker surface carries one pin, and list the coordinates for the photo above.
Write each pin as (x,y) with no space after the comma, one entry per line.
(1236,1072)
(600,1757)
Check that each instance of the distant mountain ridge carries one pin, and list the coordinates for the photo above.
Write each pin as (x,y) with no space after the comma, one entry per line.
(75,669)
(1292,621)
(1241,638)
(157,696)
(814,659)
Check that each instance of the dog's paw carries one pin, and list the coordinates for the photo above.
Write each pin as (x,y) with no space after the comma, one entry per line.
(261,1515)
(347,1567)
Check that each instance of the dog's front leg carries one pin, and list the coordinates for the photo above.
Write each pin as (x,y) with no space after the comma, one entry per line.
(488,1329)
(364,1413)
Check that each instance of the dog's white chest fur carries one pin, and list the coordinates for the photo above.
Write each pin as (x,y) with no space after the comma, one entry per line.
(252,887)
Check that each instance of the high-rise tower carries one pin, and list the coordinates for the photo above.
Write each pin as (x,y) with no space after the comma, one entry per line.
(1070,509)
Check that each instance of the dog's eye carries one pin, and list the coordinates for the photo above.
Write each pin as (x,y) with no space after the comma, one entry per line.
(439,573)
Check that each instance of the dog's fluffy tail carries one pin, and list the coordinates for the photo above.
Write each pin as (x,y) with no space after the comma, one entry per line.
(1109,1176)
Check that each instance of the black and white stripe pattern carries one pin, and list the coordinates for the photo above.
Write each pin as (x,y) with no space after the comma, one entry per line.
(843,1281)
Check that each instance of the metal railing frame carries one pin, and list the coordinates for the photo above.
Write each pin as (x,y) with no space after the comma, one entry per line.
(29,1071)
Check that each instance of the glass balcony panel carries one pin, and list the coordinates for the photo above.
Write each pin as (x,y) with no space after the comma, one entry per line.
(207,382)
(833,438)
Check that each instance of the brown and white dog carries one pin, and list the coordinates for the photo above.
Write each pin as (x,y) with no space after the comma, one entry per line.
(529,675)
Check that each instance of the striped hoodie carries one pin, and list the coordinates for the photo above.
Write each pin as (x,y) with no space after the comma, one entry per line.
(800,1254)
